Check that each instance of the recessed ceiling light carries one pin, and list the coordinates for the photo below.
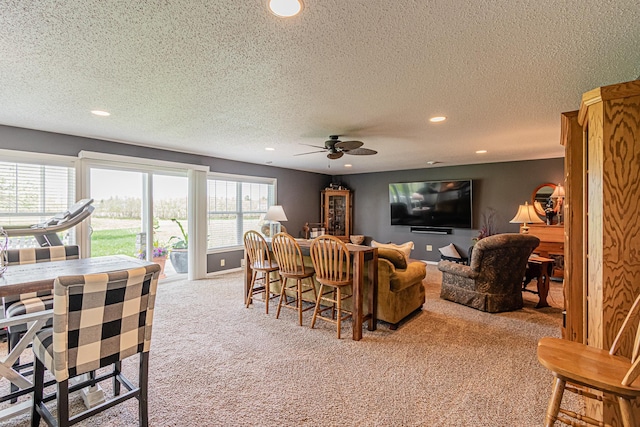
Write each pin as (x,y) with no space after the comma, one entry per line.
(285,8)
(348,165)
(100,113)
(270,149)
(437,119)
(481,151)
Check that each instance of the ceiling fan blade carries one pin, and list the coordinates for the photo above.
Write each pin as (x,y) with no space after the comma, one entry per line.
(361,152)
(334,156)
(349,145)
(311,145)
(310,152)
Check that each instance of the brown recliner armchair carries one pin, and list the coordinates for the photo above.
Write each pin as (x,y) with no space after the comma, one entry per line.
(492,281)
(400,290)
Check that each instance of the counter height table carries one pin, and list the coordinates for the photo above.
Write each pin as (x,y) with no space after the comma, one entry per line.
(361,255)
(19,279)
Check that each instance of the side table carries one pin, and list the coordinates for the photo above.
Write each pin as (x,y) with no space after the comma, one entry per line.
(540,268)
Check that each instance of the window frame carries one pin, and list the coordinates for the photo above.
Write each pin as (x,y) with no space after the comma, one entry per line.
(46,160)
(239,180)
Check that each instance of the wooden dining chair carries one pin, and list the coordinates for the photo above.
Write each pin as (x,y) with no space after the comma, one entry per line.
(98,321)
(262,267)
(332,263)
(576,366)
(291,263)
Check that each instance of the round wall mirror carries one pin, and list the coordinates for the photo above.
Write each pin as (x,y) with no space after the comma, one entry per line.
(541,197)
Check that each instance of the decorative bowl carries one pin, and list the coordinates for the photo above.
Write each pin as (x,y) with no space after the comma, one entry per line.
(356,239)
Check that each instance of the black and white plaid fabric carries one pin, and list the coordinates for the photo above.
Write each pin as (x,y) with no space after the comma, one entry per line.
(98,319)
(16,305)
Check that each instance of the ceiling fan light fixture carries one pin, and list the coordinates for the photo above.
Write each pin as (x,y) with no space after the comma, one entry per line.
(285,8)
(337,148)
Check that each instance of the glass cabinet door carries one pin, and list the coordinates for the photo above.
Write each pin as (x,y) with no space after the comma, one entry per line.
(336,218)
(336,213)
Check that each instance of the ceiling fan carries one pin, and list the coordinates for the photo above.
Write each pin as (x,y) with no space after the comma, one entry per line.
(337,148)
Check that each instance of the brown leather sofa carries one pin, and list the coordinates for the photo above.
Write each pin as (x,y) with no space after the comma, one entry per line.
(492,281)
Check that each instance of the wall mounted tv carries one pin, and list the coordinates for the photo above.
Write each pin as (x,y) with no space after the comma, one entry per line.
(444,204)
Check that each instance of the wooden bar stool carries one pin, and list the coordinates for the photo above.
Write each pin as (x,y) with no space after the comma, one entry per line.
(332,264)
(289,257)
(261,262)
(576,366)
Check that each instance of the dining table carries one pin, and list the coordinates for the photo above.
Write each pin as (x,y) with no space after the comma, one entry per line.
(363,257)
(25,278)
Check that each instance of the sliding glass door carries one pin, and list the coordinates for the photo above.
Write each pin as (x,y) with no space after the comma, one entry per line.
(170,223)
(117,221)
(130,205)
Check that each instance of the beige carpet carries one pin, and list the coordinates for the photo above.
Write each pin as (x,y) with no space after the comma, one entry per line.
(216,363)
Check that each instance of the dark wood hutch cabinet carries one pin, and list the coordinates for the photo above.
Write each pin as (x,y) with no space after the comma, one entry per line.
(337,213)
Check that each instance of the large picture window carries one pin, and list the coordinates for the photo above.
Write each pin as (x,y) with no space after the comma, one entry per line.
(32,193)
(235,206)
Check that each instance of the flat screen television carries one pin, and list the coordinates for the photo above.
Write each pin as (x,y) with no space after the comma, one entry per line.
(444,204)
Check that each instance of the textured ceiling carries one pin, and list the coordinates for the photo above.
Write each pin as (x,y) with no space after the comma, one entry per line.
(228,79)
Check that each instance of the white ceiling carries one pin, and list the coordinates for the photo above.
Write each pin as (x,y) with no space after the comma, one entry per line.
(228,79)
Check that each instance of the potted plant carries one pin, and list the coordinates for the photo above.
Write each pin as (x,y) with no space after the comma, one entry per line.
(159,255)
(179,254)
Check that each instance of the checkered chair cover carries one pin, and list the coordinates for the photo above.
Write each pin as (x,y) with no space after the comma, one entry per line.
(16,305)
(98,319)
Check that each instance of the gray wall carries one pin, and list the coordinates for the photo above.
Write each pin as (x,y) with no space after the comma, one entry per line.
(298,192)
(501,186)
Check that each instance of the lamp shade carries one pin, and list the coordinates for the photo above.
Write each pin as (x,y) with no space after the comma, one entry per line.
(558,192)
(275,213)
(526,215)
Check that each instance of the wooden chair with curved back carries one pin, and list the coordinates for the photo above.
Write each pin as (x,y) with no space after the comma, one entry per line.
(291,263)
(332,263)
(261,263)
(575,365)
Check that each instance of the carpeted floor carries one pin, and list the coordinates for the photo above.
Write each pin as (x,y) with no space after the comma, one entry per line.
(216,363)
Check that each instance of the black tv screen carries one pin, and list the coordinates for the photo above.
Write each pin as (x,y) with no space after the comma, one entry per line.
(431,204)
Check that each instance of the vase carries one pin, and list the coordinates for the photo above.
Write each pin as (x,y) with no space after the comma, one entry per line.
(161,260)
(179,260)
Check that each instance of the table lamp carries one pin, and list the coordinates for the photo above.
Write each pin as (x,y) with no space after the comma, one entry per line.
(526,215)
(274,215)
(558,194)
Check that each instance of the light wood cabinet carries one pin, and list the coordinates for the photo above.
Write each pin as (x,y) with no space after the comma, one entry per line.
(336,213)
(551,244)
(603,221)
(574,284)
